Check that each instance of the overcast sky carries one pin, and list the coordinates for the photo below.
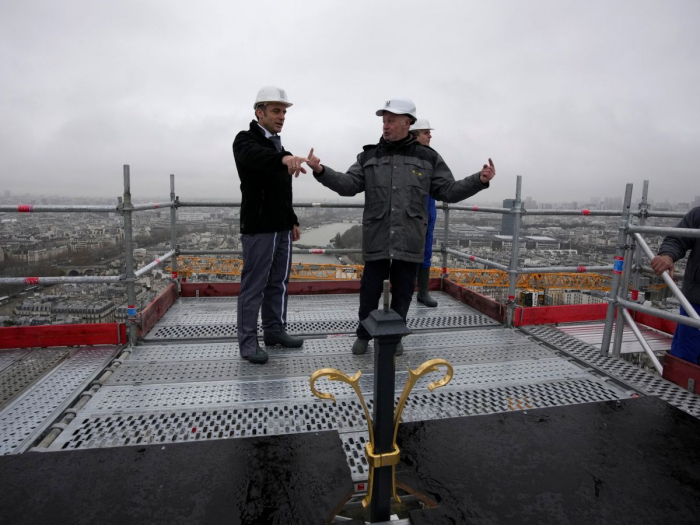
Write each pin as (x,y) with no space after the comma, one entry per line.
(578,97)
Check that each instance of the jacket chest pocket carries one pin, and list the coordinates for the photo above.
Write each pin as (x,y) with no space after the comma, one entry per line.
(417,199)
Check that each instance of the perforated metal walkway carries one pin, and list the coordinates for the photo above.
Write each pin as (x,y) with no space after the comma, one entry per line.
(190,388)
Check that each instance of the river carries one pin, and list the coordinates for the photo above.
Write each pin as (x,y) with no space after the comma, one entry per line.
(320,237)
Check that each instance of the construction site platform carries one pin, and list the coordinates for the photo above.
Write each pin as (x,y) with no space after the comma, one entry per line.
(187,384)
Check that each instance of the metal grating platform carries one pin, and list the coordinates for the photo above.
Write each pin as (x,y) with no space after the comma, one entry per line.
(27,369)
(137,428)
(7,357)
(189,395)
(31,413)
(215,318)
(642,380)
(592,334)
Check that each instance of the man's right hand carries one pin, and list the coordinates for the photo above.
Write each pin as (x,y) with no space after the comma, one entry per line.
(314,162)
(661,263)
(294,163)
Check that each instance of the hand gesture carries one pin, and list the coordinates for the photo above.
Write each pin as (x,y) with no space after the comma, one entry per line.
(487,172)
(294,163)
(314,162)
(296,234)
(661,263)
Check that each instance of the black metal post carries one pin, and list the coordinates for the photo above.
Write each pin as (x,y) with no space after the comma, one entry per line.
(387,328)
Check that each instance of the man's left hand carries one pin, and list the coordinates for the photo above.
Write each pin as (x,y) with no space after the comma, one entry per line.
(296,234)
(488,172)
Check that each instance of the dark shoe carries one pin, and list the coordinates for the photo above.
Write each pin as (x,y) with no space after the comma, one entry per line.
(258,358)
(360,346)
(399,349)
(282,338)
(423,282)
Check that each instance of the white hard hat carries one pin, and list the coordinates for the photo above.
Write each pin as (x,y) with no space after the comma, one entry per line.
(399,106)
(271,94)
(420,124)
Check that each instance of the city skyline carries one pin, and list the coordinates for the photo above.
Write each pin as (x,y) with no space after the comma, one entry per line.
(578,98)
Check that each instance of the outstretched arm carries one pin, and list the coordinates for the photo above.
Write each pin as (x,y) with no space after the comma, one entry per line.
(345,184)
(445,188)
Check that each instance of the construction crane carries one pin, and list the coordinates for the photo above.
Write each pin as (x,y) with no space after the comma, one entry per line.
(189,265)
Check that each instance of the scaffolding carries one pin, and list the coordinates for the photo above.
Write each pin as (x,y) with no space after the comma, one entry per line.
(626,268)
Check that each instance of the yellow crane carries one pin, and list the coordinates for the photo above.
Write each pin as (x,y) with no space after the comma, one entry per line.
(219,266)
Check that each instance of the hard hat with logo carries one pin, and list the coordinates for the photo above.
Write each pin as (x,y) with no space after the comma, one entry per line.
(271,94)
(421,124)
(399,106)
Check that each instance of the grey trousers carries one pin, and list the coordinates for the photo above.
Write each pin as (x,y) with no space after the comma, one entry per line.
(267,260)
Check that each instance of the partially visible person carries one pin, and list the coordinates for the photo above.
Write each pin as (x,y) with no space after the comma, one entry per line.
(396,174)
(686,340)
(421,130)
(268,225)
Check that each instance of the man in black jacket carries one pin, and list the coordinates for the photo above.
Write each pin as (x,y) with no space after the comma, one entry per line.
(686,340)
(268,225)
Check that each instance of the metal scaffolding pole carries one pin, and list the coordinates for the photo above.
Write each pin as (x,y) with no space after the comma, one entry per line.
(88,279)
(476,259)
(567,269)
(665,232)
(513,271)
(482,209)
(664,314)
(638,334)
(668,279)
(622,292)
(173,226)
(643,209)
(157,262)
(617,272)
(127,209)
(445,242)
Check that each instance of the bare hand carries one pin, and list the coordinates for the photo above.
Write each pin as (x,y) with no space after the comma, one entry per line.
(296,234)
(314,162)
(661,263)
(488,172)
(294,163)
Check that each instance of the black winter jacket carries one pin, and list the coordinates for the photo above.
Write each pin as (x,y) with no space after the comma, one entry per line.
(676,248)
(266,186)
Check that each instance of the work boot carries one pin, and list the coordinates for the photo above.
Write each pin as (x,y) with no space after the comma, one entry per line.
(258,358)
(282,338)
(359,347)
(423,282)
(399,349)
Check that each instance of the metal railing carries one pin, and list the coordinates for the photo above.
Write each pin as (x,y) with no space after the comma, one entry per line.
(628,235)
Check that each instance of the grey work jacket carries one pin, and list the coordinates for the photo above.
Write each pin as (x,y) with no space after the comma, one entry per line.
(677,247)
(396,179)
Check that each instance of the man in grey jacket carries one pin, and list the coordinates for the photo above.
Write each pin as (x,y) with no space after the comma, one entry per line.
(396,174)
(686,340)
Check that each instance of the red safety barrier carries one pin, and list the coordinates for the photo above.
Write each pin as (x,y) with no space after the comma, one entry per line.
(62,335)
(681,372)
(559,314)
(154,311)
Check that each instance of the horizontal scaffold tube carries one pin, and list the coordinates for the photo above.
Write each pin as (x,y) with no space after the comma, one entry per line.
(601,213)
(84,279)
(476,259)
(190,204)
(673,214)
(295,251)
(664,314)
(567,269)
(151,266)
(152,206)
(49,208)
(666,232)
(480,209)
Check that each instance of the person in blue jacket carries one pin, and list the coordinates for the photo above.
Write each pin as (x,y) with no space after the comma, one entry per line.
(421,129)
